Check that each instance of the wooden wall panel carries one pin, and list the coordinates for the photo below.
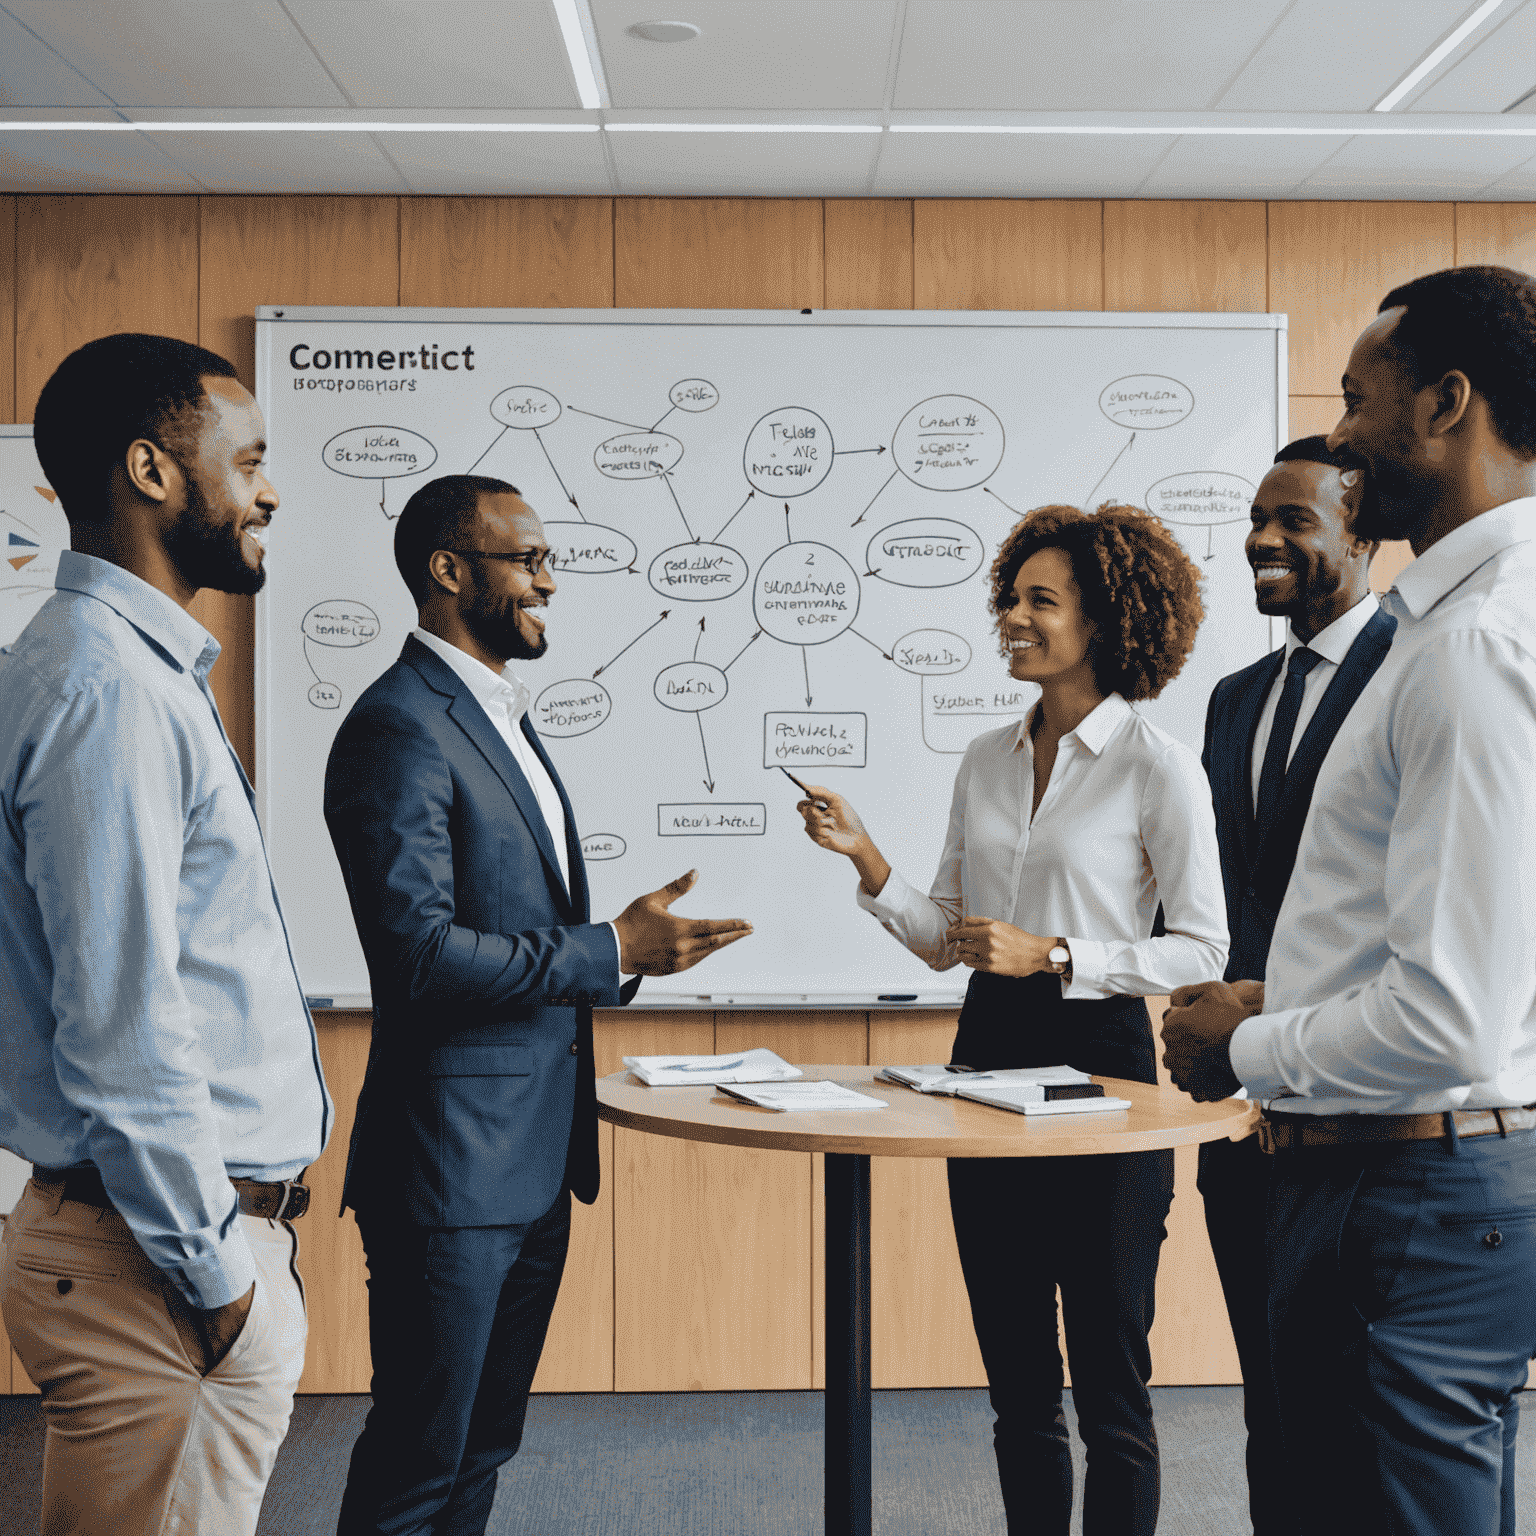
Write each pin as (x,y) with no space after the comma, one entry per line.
(1331,264)
(717,253)
(277,250)
(996,254)
(89,266)
(869,253)
(1496,234)
(7,314)
(507,252)
(1185,256)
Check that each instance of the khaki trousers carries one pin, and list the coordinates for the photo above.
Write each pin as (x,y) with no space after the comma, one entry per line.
(138,1443)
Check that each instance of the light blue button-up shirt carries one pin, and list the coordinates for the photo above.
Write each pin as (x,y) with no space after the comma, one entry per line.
(151,1019)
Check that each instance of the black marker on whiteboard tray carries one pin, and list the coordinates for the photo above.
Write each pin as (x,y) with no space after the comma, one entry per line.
(798,785)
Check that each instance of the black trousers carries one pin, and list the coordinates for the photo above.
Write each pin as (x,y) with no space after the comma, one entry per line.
(1092,1226)
(1234,1183)
(456,1322)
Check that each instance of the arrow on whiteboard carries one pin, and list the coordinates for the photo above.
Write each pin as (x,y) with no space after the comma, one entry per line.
(999,500)
(664,416)
(696,641)
(478,462)
(868,641)
(667,476)
(709,780)
(742,652)
(837,452)
(579,513)
(638,638)
(632,425)
(789,538)
(1088,499)
(807,666)
(873,499)
(734,515)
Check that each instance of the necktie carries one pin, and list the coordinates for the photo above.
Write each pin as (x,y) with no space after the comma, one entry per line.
(1272,774)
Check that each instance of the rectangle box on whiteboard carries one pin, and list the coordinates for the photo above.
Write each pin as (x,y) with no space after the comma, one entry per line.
(818,739)
(706,818)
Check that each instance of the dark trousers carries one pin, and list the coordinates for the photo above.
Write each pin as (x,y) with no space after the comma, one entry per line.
(456,1321)
(1090,1225)
(1402,1317)
(1234,1183)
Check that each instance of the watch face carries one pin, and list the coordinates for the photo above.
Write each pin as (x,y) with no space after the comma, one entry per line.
(1059,955)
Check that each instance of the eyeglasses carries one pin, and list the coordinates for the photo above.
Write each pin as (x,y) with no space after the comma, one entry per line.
(532,560)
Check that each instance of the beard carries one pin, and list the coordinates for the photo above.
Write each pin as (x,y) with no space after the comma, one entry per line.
(493,622)
(207,552)
(1386,507)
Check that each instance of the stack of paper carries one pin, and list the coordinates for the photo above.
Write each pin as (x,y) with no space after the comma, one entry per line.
(951,1080)
(759,1066)
(805,1096)
(1030,1099)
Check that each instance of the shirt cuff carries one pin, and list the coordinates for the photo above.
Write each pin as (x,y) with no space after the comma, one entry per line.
(1090,960)
(1251,1053)
(892,900)
(618,950)
(221,1277)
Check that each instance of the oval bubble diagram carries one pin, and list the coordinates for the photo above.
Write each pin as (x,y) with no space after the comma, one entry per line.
(589,549)
(341,622)
(637,455)
(931,653)
(691,686)
(325,695)
(1204,498)
(948,443)
(572,707)
(788,452)
(1146,402)
(525,406)
(805,594)
(698,573)
(693,395)
(378,453)
(597,846)
(925,552)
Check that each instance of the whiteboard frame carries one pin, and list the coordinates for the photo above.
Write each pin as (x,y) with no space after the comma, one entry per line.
(1001,319)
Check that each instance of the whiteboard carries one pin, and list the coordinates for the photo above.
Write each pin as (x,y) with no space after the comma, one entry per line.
(772,533)
(32,532)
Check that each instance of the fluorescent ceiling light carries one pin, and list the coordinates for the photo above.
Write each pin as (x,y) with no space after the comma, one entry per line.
(1454,41)
(743,127)
(1229,130)
(576,27)
(11,126)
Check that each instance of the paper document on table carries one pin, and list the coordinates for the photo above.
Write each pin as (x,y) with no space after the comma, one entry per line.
(949,1080)
(1022,1100)
(756,1066)
(804,1096)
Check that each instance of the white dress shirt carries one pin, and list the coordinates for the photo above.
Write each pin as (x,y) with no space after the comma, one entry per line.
(1332,644)
(1125,822)
(504,698)
(1402,979)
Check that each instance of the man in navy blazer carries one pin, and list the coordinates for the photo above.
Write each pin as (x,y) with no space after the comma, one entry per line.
(477,1118)
(1267,732)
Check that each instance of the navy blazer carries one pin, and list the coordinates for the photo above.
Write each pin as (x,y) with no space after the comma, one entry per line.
(1255,870)
(479,1105)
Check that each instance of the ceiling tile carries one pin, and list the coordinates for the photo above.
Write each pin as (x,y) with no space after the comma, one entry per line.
(1331,57)
(87,162)
(1016,165)
(502,165)
(1415,169)
(288,162)
(189,53)
(1210,165)
(33,75)
(1515,186)
(1075,55)
(449,53)
(791,54)
(743,164)
(1498,70)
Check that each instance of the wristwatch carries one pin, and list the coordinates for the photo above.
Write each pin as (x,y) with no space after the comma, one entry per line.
(1060,957)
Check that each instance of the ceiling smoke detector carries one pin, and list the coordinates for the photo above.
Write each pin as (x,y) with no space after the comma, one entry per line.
(664,31)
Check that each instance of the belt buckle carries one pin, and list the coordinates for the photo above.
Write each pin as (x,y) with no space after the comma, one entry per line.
(1267,1142)
(294,1203)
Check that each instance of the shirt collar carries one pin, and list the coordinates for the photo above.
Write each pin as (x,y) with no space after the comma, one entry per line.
(504,689)
(1093,730)
(163,622)
(1333,643)
(1449,561)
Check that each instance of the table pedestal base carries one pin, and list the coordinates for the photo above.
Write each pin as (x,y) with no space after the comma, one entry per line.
(848,1448)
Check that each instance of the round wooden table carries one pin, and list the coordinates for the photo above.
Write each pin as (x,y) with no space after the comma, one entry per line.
(913,1125)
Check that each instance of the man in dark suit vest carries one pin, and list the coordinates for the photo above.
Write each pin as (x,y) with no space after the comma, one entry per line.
(477,1119)
(1267,732)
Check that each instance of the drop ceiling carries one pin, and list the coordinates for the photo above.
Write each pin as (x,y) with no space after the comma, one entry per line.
(1185,85)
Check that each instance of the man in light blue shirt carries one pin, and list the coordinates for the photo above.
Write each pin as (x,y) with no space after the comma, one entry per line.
(158,1065)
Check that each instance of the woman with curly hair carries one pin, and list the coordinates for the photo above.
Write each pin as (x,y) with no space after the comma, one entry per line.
(1067,831)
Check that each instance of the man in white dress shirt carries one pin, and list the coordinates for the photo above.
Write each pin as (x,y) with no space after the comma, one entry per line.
(1394,1038)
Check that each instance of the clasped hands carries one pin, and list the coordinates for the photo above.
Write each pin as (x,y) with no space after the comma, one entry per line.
(1198,1030)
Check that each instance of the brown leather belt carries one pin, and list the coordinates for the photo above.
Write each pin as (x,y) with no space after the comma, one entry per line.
(285,1200)
(1280,1132)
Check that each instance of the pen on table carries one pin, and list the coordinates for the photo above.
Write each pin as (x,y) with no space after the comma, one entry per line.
(798,785)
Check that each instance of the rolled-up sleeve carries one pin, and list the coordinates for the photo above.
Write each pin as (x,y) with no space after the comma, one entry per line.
(103,803)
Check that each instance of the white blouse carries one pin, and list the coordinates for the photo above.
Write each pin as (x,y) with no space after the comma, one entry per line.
(1125,822)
